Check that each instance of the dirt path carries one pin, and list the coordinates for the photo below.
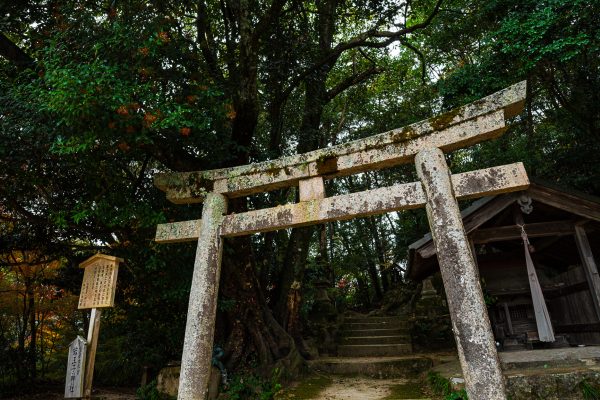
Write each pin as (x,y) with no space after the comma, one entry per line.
(324,387)
(358,389)
(57,393)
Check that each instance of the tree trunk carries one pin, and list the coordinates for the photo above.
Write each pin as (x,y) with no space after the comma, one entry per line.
(380,250)
(251,326)
(33,337)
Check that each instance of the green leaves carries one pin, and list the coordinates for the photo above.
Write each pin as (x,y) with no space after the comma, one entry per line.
(552,30)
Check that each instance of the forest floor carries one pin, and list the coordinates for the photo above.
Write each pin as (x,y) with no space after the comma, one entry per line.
(55,392)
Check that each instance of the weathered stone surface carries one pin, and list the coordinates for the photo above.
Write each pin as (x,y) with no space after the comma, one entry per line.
(475,122)
(487,181)
(176,232)
(167,381)
(377,201)
(470,322)
(312,188)
(199,329)
(551,385)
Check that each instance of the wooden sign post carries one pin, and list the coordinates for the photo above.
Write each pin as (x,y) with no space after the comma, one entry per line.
(75,369)
(97,291)
(423,143)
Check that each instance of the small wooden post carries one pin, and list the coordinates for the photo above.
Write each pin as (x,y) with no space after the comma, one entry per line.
(470,321)
(202,308)
(92,340)
(589,265)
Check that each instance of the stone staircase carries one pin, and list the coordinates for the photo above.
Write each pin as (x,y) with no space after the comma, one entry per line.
(374,337)
(377,347)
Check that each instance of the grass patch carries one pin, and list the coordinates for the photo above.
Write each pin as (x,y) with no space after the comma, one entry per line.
(405,391)
(589,391)
(307,389)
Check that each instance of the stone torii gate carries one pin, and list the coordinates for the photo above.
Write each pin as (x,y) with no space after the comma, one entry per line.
(424,142)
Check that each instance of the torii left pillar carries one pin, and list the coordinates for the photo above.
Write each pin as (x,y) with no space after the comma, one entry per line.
(200,326)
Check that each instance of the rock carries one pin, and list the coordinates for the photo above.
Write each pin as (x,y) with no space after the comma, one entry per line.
(167,381)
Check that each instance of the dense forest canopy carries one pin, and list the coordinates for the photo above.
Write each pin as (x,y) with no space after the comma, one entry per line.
(98,96)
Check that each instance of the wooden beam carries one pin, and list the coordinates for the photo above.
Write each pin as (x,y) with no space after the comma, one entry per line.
(406,196)
(589,265)
(92,341)
(579,328)
(467,125)
(512,232)
(473,221)
(575,204)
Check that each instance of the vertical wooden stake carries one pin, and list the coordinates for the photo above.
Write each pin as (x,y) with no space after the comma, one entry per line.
(589,265)
(470,321)
(202,308)
(92,340)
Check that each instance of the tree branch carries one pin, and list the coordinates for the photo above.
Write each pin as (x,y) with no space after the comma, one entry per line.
(14,53)
(419,54)
(207,43)
(363,39)
(352,80)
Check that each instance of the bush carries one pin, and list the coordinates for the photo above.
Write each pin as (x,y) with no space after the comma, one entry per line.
(150,392)
(251,386)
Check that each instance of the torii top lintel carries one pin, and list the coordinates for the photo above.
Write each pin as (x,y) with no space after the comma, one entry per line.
(464,126)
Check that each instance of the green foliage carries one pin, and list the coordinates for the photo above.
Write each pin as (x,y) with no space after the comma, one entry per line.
(443,387)
(457,395)
(250,386)
(150,392)
(439,384)
(589,390)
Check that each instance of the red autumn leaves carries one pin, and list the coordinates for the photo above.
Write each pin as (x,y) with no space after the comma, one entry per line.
(148,118)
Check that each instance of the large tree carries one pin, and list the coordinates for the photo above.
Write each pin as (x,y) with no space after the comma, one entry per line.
(96,96)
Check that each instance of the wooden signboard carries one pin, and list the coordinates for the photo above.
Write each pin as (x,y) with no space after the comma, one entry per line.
(75,369)
(99,281)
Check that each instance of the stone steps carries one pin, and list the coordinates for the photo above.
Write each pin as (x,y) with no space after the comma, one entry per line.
(372,319)
(373,367)
(353,326)
(374,337)
(373,350)
(374,332)
(380,339)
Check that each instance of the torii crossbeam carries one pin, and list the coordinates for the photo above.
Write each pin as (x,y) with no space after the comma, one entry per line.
(438,190)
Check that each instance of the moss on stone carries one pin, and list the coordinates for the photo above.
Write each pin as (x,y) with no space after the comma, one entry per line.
(307,389)
(405,391)
(441,122)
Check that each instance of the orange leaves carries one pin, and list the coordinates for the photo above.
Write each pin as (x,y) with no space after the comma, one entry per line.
(185,131)
(149,119)
(230,111)
(164,37)
(123,146)
(122,110)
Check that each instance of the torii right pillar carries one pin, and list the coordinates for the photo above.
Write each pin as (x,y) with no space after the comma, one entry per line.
(470,321)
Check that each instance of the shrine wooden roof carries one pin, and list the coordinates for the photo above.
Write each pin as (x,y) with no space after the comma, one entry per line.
(560,209)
